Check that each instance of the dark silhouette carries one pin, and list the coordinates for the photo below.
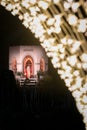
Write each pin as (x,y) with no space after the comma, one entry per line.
(46,105)
(9,98)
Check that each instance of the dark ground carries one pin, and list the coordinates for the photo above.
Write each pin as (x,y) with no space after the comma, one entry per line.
(44,106)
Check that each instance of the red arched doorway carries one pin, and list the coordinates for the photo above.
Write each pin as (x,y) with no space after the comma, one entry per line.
(28,66)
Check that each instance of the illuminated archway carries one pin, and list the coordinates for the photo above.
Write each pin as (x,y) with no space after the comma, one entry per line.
(61,27)
(28,61)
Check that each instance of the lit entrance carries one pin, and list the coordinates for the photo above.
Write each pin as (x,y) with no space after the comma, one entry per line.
(28,66)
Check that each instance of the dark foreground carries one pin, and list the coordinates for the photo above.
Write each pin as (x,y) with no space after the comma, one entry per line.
(44,106)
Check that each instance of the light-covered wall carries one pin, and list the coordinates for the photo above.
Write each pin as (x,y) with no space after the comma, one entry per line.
(20,52)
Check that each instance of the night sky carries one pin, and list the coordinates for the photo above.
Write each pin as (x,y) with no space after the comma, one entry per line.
(12,32)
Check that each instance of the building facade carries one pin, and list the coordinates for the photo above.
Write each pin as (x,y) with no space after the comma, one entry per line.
(28,60)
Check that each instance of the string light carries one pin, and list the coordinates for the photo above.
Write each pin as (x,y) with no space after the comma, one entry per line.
(61,27)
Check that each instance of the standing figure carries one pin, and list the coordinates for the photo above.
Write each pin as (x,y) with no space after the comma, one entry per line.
(27,72)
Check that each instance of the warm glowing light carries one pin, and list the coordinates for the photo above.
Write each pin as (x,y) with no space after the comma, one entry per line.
(82,25)
(66,5)
(75,6)
(72,60)
(72,19)
(56,1)
(43,4)
(84,57)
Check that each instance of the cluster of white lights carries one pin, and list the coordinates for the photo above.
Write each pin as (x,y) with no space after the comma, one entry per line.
(61,27)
